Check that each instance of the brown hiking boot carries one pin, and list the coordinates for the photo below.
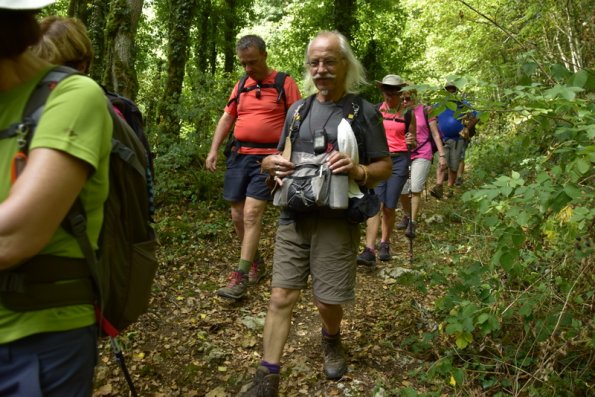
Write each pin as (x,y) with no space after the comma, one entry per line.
(237,286)
(264,384)
(436,191)
(335,364)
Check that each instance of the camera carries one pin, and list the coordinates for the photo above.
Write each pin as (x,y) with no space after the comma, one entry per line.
(320,141)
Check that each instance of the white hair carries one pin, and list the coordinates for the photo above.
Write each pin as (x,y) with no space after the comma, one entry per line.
(356,75)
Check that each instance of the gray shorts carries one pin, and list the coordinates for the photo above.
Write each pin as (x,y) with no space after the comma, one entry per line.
(453,150)
(419,173)
(325,248)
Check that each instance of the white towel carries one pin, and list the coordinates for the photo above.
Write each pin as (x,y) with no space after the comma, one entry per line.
(348,144)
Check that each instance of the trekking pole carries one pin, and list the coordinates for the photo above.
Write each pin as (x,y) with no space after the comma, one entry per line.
(110,331)
(410,193)
(120,359)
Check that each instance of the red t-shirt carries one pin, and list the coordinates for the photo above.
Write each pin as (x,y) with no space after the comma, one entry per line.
(395,130)
(261,120)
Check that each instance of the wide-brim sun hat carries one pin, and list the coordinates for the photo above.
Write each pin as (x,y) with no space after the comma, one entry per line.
(392,80)
(24,4)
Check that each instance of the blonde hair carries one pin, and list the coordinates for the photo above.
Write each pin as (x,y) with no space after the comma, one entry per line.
(355,76)
(64,41)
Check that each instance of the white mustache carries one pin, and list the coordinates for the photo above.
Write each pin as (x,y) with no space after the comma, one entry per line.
(324,76)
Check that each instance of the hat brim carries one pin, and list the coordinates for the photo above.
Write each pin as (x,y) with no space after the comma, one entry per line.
(379,84)
(24,4)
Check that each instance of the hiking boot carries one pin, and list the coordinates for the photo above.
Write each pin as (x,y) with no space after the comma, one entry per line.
(237,286)
(384,252)
(459,181)
(403,224)
(335,364)
(436,191)
(367,258)
(257,272)
(410,232)
(449,192)
(264,384)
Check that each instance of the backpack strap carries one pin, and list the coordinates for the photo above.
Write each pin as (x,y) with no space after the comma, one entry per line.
(279,85)
(34,107)
(429,133)
(298,117)
(241,84)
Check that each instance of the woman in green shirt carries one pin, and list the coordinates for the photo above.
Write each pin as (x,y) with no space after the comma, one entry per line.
(47,351)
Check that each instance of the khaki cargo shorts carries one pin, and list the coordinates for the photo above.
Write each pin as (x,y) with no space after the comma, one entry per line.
(326,249)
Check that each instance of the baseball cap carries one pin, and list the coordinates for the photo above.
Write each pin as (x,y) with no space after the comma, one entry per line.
(392,79)
(24,4)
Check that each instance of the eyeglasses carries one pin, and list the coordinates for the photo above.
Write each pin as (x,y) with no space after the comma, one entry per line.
(329,63)
(406,98)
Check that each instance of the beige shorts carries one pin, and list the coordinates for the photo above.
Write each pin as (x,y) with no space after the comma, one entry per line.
(326,249)
(419,173)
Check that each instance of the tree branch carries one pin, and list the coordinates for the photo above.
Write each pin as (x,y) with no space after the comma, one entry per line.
(511,35)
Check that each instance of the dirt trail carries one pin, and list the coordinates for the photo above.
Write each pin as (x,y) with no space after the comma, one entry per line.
(193,343)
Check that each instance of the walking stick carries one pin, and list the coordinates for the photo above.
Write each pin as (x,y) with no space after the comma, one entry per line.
(410,193)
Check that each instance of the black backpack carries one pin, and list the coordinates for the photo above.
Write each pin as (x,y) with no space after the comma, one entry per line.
(134,118)
(118,278)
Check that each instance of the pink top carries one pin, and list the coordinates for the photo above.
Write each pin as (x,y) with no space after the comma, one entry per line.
(423,151)
(394,125)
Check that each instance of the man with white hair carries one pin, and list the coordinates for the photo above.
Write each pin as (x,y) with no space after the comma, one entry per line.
(322,243)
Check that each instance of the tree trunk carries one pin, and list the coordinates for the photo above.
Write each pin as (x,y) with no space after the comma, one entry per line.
(205,42)
(344,13)
(120,73)
(78,9)
(96,26)
(229,35)
(182,14)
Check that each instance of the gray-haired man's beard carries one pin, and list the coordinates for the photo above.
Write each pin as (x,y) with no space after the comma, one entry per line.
(324,92)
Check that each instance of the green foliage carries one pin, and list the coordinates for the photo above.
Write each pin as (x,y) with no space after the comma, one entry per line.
(520,319)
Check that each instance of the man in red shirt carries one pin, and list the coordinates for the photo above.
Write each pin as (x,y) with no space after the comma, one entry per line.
(258,112)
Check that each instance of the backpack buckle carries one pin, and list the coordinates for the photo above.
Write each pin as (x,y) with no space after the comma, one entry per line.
(78,223)
(22,131)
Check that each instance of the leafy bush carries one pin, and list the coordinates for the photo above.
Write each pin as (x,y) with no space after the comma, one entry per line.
(519,321)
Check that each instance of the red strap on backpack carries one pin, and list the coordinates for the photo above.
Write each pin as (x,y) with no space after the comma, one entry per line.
(17,165)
